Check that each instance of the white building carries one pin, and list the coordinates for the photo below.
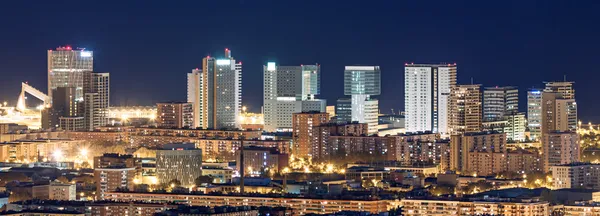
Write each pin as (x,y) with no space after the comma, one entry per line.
(288,90)
(216,92)
(534,113)
(66,67)
(96,99)
(515,126)
(361,83)
(54,191)
(576,175)
(426,96)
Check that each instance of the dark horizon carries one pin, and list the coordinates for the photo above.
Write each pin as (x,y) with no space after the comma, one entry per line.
(149,46)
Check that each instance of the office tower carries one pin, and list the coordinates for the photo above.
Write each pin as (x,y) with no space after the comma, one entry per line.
(180,161)
(534,113)
(426,96)
(261,160)
(66,67)
(559,109)
(216,92)
(288,90)
(361,83)
(515,126)
(465,109)
(303,131)
(174,114)
(113,171)
(96,91)
(482,153)
(560,148)
(343,111)
(576,176)
(498,101)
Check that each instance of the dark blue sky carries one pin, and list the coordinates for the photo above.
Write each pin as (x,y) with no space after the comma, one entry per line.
(149,46)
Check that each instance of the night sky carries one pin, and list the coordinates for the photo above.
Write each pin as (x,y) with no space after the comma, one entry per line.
(149,46)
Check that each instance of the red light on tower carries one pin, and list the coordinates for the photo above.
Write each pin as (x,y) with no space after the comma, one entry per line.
(240,62)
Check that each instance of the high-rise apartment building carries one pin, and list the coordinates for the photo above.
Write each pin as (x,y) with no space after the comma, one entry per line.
(560,148)
(361,83)
(303,125)
(216,92)
(498,101)
(66,67)
(427,96)
(482,153)
(174,114)
(180,161)
(559,109)
(465,109)
(288,90)
(534,113)
(96,91)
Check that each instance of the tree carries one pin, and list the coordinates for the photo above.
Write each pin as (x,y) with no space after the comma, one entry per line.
(441,190)
(203,180)
(174,183)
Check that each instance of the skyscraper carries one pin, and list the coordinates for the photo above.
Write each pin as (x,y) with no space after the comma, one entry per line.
(426,96)
(96,91)
(534,113)
(498,101)
(361,83)
(66,66)
(465,109)
(559,109)
(216,92)
(288,90)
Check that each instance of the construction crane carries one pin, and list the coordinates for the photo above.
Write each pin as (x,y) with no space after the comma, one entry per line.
(21,106)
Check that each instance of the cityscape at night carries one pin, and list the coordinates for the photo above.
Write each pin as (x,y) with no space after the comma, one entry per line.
(354,108)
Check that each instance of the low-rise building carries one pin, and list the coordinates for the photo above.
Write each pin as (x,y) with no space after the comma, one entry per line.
(54,191)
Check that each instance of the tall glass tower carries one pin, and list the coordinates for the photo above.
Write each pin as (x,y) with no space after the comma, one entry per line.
(66,67)
(361,83)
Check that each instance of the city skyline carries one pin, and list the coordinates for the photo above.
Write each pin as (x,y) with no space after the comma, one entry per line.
(128,59)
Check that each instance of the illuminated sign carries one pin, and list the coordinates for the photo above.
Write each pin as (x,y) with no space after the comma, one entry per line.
(223,62)
(271,66)
(86,54)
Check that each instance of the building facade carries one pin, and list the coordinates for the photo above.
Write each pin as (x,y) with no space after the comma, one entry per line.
(261,160)
(174,115)
(66,67)
(482,153)
(182,162)
(534,113)
(427,95)
(560,148)
(361,83)
(288,90)
(216,92)
(576,175)
(96,99)
(465,111)
(497,101)
(303,125)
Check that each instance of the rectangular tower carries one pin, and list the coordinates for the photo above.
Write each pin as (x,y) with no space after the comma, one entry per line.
(465,109)
(498,101)
(361,83)
(66,67)
(96,99)
(288,90)
(426,96)
(216,92)
(534,113)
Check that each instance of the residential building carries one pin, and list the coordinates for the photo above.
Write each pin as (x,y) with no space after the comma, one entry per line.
(224,149)
(465,111)
(422,149)
(54,191)
(96,99)
(534,113)
(216,92)
(559,109)
(174,115)
(413,207)
(113,172)
(576,175)
(303,131)
(331,111)
(180,161)
(361,83)
(288,90)
(261,160)
(515,127)
(560,148)
(320,141)
(66,67)
(482,153)
(427,96)
(524,161)
(497,101)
